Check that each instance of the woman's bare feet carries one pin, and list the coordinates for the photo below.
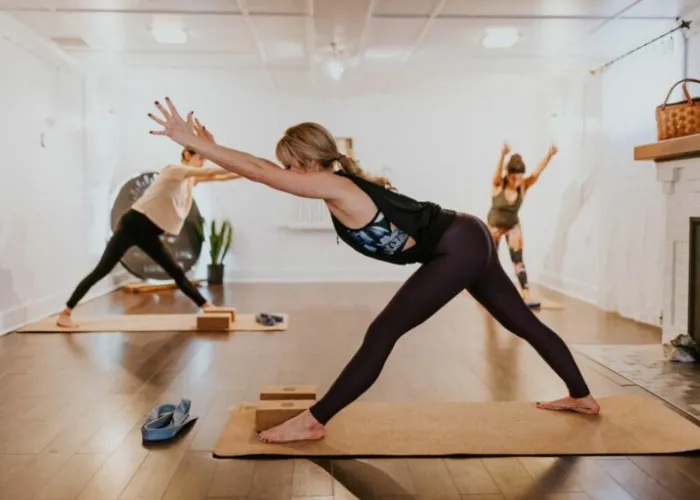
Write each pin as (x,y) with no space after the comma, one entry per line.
(64,320)
(303,427)
(586,405)
(208,306)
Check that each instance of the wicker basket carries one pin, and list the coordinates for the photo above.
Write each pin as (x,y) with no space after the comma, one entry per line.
(678,119)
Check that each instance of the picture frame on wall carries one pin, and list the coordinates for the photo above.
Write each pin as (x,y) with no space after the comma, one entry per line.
(345,146)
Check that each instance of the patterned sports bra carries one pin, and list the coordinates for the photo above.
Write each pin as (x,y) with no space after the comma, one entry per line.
(379,237)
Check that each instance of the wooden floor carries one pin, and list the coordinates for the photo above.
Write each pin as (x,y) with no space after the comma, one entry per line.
(71,406)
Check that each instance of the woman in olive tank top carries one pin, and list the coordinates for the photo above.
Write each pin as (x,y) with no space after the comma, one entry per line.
(507,194)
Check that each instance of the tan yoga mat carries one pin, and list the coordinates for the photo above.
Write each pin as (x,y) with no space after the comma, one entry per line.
(627,425)
(147,323)
(154,287)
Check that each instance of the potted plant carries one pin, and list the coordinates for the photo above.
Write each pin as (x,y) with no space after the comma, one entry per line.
(219,244)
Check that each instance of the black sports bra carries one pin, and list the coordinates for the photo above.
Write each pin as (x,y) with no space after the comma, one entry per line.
(422,221)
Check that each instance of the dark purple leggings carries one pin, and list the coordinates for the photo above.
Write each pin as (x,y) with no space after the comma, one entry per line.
(465,258)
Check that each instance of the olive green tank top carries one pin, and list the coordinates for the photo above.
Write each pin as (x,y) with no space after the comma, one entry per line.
(504,213)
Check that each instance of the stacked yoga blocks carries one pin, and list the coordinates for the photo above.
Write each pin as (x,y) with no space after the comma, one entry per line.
(279,403)
(220,318)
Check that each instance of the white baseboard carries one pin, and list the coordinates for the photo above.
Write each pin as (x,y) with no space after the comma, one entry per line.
(389,274)
(13,319)
(668,333)
(581,291)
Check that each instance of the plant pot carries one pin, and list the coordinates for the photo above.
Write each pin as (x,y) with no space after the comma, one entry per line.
(215,274)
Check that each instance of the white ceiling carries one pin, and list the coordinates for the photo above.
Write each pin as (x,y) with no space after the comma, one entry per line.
(291,39)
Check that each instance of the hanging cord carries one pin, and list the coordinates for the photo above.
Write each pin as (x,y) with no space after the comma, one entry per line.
(681,26)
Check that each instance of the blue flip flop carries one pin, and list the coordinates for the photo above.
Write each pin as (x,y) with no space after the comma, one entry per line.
(166,421)
(268,319)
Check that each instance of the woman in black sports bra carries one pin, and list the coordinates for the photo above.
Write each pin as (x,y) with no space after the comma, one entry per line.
(456,251)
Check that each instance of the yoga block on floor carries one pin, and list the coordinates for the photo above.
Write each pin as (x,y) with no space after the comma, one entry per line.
(231,311)
(287,392)
(214,322)
(272,413)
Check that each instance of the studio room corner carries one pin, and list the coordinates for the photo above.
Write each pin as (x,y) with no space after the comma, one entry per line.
(337,250)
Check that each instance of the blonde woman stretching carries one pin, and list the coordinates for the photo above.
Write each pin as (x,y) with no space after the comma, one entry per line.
(162,208)
(456,252)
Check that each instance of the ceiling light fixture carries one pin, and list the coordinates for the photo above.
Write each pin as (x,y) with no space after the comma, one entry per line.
(336,69)
(335,66)
(500,38)
(169,34)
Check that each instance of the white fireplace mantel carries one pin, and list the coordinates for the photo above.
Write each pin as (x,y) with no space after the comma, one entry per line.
(667,174)
(678,171)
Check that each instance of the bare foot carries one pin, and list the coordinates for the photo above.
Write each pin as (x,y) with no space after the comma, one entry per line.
(208,307)
(303,427)
(586,405)
(64,320)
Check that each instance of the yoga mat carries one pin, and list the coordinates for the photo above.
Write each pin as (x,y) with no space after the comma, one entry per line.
(154,287)
(627,425)
(147,323)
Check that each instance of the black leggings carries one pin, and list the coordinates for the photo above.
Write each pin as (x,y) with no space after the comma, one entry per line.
(514,238)
(465,258)
(136,229)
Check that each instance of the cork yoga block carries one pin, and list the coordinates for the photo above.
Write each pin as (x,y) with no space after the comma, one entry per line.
(214,322)
(288,392)
(270,413)
(231,311)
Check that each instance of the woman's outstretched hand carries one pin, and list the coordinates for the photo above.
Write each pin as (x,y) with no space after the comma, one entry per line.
(174,126)
(202,131)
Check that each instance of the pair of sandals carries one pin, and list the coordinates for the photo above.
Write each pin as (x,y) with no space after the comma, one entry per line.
(165,421)
(268,319)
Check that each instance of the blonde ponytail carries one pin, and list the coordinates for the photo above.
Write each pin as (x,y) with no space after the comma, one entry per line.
(350,166)
(310,142)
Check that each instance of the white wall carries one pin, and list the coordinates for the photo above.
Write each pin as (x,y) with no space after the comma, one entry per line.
(615,226)
(592,225)
(49,234)
(564,202)
(440,144)
(694,55)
